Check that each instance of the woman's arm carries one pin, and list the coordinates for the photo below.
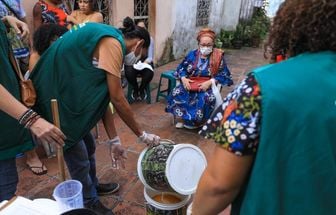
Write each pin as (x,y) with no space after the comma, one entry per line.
(97,17)
(44,131)
(33,58)
(108,121)
(184,66)
(221,182)
(10,105)
(231,162)
(37,15)
(150,55)
(20,27)
(72,18)
(120,103)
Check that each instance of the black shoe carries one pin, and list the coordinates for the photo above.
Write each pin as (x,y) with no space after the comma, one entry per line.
(123,82)
(100,209)
(135,95)
(105,189)
(143,95)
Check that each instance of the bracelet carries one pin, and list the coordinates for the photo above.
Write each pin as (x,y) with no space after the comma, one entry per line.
(32,116)
(25,116)
(32,121)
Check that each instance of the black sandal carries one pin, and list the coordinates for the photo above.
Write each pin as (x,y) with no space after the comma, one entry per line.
(43,168)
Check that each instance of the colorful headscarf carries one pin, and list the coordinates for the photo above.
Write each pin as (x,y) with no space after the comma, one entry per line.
(206,32)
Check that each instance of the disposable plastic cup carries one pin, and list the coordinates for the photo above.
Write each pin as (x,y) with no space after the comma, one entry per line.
(68,195)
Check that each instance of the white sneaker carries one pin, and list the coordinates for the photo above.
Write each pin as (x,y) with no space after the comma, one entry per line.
(190,126)
(179,125)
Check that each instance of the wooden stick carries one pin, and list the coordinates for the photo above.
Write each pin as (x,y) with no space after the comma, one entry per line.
(60,157)
(8,203)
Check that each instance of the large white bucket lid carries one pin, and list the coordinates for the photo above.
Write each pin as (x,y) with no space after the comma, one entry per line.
(184,168)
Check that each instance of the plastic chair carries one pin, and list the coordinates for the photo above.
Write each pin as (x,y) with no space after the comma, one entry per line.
(171,84)
(130,90)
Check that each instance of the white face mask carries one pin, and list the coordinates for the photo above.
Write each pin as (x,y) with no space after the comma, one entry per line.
(205,50)
(131,59)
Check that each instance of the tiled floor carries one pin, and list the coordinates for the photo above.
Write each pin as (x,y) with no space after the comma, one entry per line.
(129,200)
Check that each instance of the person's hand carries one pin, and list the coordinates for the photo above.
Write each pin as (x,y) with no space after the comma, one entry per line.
(118,156)
(186,83)
(20,27)
(70,18)
(149,139)
(205,85)
(46,132)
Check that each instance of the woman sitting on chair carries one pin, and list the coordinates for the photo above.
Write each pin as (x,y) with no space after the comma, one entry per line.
(193,100)
(146,72)
(86,11)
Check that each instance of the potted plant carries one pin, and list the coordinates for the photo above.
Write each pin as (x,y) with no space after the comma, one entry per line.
(218,43)
(256,29)
(226,37)
(247,34)
(237,41)
(256,34)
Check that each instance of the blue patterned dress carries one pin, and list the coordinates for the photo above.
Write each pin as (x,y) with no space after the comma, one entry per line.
(196,107)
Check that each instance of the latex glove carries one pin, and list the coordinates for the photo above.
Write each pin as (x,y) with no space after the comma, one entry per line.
(149,139)
(20,27)
(46,132)
(118,153)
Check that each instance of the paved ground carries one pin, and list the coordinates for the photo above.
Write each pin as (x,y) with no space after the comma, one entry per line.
(129,200)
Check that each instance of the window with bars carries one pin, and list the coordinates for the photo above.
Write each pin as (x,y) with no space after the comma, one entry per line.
(203,12)
(141,11)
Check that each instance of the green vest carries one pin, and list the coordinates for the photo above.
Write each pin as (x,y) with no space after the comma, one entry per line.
(294,171)
(65,72)
(14,138)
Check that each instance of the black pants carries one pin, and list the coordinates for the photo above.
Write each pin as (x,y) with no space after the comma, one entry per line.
(132,74)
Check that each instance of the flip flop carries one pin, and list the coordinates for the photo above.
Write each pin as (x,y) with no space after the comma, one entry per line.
(38,167)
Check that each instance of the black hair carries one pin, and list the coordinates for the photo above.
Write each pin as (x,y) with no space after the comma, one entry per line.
(45,34)
(131,31)
(303,26)
(93,5)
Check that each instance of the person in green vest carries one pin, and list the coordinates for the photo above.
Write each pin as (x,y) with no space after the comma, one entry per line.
(66,72)
(15,119)
(276,130)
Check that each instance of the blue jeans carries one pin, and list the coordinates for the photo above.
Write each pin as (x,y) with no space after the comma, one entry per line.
(81,162)
(8,178)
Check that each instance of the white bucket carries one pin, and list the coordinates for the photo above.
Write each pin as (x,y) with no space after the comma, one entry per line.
(68,195)
(154,207)
(171,167)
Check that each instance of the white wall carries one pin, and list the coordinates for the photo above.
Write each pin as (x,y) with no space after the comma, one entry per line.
(230,16)
(185,31)
(121,9)
(224,14)
(164,25)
